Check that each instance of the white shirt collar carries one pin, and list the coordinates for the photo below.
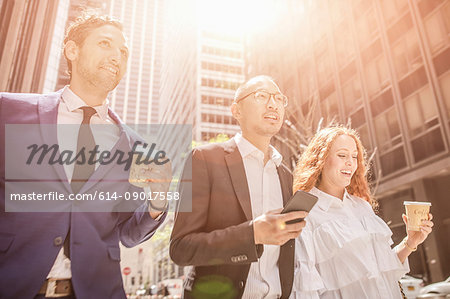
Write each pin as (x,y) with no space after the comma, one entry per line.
(326,200)
(246,148)
(74,102)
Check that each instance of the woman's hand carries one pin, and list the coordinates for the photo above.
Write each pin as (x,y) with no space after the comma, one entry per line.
(416,238)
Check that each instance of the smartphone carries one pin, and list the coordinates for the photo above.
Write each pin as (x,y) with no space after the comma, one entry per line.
(300,201)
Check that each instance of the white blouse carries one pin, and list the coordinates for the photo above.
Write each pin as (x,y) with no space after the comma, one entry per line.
(345,251)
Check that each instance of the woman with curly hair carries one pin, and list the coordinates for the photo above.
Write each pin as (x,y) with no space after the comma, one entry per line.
(345,249)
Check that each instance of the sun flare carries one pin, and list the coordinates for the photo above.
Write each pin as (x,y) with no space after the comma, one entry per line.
(234,17)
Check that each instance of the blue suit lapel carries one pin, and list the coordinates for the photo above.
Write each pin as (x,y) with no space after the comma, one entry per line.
(48,117)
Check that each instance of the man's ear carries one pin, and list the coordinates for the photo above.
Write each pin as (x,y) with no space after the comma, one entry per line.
(71,50)
(236,111)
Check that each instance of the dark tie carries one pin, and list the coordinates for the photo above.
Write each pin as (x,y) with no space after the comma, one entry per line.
(82,172)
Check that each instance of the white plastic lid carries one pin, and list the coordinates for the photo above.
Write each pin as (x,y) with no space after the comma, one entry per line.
(425,203)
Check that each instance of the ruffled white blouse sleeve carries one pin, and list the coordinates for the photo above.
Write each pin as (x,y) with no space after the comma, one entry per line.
(345,251)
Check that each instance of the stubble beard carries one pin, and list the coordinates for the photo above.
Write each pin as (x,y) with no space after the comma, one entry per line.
(99,78)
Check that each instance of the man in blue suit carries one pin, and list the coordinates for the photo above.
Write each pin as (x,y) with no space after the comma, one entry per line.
(74,253)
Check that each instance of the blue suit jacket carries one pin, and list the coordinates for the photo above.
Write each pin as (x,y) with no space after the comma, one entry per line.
(30,242)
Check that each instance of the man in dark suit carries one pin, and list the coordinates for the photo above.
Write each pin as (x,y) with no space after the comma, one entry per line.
(76,252)
(232,232)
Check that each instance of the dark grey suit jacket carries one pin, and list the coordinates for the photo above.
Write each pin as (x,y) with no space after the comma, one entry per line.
(217,236)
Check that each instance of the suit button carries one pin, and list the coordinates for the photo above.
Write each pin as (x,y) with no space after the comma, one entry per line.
(58,241)
(241,284)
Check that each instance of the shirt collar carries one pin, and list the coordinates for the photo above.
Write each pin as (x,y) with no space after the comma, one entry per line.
(326,200)
(74,102)
(246,148)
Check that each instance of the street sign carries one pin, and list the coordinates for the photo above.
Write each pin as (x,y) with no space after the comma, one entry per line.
(126,271)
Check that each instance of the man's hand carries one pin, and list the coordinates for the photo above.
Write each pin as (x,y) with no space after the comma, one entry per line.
(271,228)
(157,178)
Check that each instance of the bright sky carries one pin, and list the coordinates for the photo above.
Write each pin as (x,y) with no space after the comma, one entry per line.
(235,16)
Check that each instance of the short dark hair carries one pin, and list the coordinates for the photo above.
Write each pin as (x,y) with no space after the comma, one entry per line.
(82,26)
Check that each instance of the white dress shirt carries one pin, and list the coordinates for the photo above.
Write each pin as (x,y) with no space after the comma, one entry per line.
(263,279)
(105,131)
(345,251)
(106,134)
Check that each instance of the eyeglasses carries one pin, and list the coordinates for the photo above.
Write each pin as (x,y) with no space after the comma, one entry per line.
(263,97)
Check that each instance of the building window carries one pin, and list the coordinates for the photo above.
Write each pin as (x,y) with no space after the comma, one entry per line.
(366,26)
(387,130)
(358,118)
(376,74)
(364,136)
(217,118)
(306,75)
(392,9)
(337,10)
(216,100)
(318,9)
(406,54)
(351,92)
(347,72)
(444,82)
(441,62)
(437,27)
(219,67)
(392,161)
(223,84)
(421,111)
(423,124)
(427,145)
(344,43)
(329,107)
(323,62)
(358,122)
(412,82)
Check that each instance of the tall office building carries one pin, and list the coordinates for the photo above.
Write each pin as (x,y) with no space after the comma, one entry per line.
(384,64)
(202,70)
(31,34)
(136,98)
(220,73)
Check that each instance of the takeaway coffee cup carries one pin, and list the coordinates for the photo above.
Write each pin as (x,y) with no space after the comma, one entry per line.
(416,211)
